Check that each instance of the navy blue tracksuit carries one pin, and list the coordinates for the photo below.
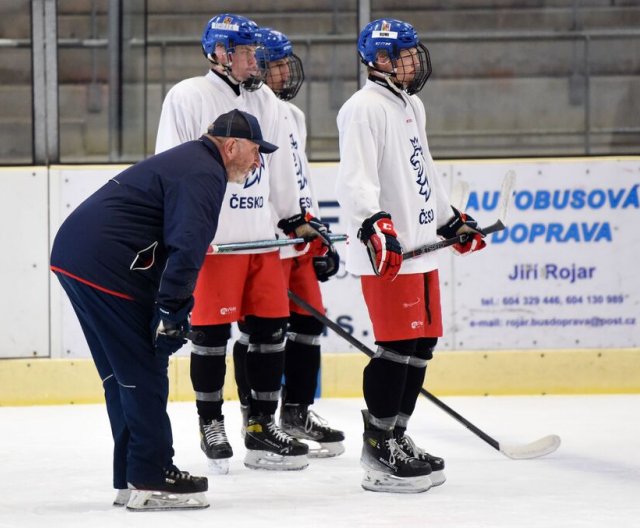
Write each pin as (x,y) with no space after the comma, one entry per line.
(138,240)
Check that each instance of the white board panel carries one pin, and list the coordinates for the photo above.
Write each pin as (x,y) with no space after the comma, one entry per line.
(70,186)
(24,281)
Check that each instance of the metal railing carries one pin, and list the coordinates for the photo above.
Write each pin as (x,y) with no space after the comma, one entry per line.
(583,37)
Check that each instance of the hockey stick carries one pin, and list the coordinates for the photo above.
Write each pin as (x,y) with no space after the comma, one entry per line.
(460,239)
(215,249)
(541,447)
(506,196)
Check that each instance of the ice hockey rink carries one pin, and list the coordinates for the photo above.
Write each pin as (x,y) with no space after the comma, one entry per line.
(56,470)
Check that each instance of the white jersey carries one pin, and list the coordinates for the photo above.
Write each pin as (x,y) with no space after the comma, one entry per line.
(246,214)
(385,165)
(294,122)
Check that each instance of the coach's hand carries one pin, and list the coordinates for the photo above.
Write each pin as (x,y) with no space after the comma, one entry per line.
(385,252)
(169,328)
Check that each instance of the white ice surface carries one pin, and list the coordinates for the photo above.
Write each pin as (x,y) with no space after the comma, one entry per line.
(56,470)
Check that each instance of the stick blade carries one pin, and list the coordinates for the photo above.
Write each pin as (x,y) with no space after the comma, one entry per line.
(539,448)
(460,195)
(506,195)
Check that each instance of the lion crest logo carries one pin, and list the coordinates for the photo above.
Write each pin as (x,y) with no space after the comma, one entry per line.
(256,175)
(297,163)
(418,163)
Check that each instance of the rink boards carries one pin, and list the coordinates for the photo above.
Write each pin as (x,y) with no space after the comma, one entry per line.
(552,306)
(509,372)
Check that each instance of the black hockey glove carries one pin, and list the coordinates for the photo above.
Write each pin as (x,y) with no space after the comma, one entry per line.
(308,227)
(459,224)
(169,328)
(327,265)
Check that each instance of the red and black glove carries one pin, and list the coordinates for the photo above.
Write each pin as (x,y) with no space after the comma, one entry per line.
(462,223)
(381,239)
(306,226)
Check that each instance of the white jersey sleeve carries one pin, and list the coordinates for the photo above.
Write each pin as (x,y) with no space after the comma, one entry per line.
(284,193)
(308,197)
(293,122)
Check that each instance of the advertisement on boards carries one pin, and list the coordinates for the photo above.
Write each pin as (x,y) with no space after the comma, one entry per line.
(561,275)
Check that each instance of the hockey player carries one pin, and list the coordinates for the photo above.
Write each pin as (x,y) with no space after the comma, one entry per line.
(285,75)
(393,198)
(128,258)
(248,286)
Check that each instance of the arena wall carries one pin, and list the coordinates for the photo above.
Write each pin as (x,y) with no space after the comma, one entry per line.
(551,307)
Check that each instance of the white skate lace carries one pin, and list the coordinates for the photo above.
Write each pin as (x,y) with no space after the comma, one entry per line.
(278,433)
(395,452)
(214,433)
(316,421)
(407,442)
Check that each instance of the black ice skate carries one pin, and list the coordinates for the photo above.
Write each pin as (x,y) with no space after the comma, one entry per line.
(178,491)
(268,447)
(214,444)
(406,443)
(301,423)
(387,467)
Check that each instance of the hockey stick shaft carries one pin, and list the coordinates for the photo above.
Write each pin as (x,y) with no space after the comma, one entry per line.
(266,244)
(364,348)
(460,239)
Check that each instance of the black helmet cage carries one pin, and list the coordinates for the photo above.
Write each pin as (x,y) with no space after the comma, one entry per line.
(422,69)
(291,86)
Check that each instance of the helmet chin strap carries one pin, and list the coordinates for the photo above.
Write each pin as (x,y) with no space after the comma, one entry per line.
(389,78)
(392,84)
(223,69)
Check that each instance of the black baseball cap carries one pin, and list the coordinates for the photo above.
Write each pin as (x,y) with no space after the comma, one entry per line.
(239,124)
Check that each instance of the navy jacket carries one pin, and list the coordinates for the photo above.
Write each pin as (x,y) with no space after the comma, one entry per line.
(145,233)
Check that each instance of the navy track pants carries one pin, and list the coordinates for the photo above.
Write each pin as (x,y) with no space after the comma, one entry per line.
(135,380)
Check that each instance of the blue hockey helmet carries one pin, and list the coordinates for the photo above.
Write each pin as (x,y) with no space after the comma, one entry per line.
(230,31)
(286,77)
(391,36)
(276,43)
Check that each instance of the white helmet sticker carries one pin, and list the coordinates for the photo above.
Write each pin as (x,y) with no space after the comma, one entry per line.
(384,34)
(228,27)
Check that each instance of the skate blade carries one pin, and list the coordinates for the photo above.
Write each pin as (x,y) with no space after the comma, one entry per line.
(218,466)
(384,482)
(122,497)
(145,500)
(325,450)
(437,478)
(273,462)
